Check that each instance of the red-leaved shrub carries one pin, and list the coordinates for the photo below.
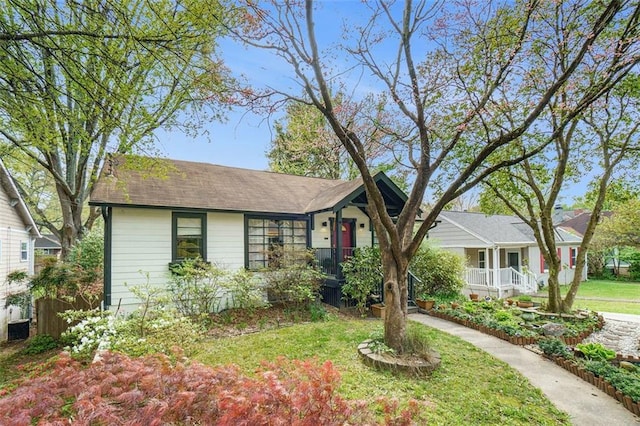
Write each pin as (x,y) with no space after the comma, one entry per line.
(119,390)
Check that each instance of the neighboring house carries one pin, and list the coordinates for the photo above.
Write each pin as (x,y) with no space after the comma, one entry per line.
(18,232)
(48,245)
(579,221)
(159,211)
(502,255)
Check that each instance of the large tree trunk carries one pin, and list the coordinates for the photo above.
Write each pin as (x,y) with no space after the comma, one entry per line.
(72,226)
(395,300)
(555,299)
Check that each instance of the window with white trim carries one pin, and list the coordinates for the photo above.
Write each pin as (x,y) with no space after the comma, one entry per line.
(24,251)
(573,254)
(482,262)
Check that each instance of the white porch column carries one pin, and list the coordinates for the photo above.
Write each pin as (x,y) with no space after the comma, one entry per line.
(496,270)
(487,275)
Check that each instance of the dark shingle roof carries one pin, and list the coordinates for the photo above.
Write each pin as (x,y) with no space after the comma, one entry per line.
(579,222)
(47,241)
(139,181)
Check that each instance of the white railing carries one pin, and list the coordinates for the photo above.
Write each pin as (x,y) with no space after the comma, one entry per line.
(524,282)
(479,276)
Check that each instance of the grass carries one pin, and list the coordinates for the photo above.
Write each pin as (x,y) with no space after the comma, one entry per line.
(470,387)
(620,293)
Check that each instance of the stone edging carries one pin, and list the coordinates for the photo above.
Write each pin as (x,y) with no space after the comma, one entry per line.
(598,382)
(515,340)
(381,361)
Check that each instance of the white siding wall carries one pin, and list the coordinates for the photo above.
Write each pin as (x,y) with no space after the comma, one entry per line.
(141,244)
(225,240)
(447,235)
(321,238)
(12,234)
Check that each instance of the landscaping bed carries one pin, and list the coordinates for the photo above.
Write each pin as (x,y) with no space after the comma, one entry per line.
(519,326)
(617,376)
(593,363)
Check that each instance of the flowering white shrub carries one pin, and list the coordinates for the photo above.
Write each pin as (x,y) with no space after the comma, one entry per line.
(96,329)
(160,331)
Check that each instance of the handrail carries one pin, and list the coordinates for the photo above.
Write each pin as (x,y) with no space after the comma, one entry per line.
(525,282)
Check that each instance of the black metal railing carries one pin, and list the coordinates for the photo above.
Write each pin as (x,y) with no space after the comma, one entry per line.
(329,261)
(412,280)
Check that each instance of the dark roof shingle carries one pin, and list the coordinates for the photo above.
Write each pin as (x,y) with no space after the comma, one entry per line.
(141,181)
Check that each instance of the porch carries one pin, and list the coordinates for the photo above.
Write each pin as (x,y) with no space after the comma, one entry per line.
(501,282)
(330,259)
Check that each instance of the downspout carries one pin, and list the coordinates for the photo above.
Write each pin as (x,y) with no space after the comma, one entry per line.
(338,234)
(106,216)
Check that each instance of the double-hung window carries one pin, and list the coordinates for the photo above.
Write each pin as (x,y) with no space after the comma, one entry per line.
(24,251)
(573,253)
(189,236)
(267,235)
(481,260)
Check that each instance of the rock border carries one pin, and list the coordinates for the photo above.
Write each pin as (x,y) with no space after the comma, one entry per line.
(392,363)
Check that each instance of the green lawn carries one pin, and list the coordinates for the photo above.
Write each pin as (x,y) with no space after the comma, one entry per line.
(625,293)
(470,387)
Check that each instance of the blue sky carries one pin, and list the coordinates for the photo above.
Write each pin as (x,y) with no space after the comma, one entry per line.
(242,141)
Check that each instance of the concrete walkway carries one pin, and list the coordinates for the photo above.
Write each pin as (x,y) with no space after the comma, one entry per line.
(585,404)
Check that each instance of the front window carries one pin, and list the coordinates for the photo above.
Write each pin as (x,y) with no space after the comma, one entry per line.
(268,236)
(189,236)
(573,253)
(24,251)
(481,260)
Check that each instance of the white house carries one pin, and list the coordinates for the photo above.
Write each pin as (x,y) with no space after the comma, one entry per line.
(502,254)
(18,232)
(160,211)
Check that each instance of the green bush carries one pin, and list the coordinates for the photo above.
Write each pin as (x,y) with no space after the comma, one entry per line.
(141,333)
(440,271)
(363,274)
(196,287)
(67,280)
(244,290)
(553,346)
(627,382)
(295,278)
(88,252)
(39,344)
(596,351)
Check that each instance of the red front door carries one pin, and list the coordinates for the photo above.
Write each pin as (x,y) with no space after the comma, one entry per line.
(347,241)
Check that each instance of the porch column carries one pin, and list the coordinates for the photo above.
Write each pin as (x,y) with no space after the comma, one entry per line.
(496,268)
(338,234)
(486,267)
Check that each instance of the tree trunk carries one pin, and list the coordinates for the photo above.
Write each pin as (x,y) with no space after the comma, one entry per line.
(555,299)
(395,300)
(71,221)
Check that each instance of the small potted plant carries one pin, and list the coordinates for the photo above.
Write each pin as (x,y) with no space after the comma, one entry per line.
(378,310)
(474,296)
(525,301)
(424,301)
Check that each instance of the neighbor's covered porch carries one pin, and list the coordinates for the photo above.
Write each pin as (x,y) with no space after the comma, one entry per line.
(499,271)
